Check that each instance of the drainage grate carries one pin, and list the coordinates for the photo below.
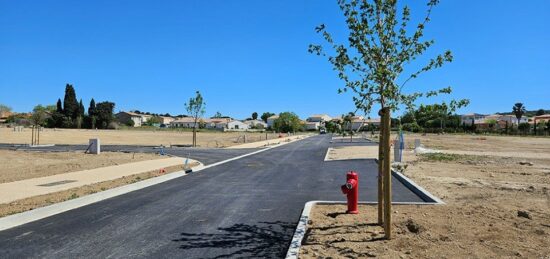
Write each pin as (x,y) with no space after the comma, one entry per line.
(57,183)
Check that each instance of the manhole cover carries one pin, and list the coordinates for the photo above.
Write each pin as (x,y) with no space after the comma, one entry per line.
(56,183)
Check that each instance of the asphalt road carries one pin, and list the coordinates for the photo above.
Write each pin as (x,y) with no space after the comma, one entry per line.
(244,208)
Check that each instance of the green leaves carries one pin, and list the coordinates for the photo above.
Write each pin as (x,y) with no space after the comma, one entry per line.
(196,106)
(378,48)
(518,109)
(287,122)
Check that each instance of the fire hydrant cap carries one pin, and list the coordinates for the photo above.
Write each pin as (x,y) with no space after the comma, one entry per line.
(352,175)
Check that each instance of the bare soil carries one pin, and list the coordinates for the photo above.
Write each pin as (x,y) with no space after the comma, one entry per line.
(154,137)
(498,205)
(20,165)
(49,199)
(352,152)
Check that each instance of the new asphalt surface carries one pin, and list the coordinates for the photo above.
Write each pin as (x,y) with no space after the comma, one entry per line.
(244,208)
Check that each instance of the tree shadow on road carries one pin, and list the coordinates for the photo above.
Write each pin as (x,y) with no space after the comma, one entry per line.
(265,240)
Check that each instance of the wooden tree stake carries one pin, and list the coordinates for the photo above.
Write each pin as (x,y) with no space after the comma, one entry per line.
(381,174)
(387,175)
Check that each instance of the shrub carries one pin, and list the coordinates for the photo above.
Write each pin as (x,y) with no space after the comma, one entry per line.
(412,127)
(113,125)
(524,127)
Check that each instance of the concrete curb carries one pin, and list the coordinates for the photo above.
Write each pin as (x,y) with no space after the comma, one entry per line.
(44,212)
(417,189)
(296,243)
(326,155)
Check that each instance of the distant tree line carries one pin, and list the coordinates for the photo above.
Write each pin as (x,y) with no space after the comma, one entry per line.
(157,114)
(528,113)
(429,118)
(438,118)
(71,113)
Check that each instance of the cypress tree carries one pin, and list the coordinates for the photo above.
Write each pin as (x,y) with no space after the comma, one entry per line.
(69,103)
(91,109)
(59,106)
(81,109)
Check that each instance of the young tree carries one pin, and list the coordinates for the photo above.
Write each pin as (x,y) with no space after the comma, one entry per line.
(41,113)
(266,115)
(254,115)
(347,122)
(287,122)
(195,108)
(372,63)
(331,126)
(518,110)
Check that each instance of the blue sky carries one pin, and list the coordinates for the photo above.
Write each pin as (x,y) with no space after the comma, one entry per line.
(247,56)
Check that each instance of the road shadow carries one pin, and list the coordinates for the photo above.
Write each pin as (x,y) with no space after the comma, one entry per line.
(263,240)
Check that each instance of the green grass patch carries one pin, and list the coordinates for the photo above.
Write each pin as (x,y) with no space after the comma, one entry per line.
(73,196)
(442,157)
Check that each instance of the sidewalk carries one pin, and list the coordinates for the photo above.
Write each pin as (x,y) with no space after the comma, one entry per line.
(13,191)
(265,143)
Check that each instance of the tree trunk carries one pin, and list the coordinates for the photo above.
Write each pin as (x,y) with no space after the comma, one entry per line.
(195,133)
(351,132)
(387,175)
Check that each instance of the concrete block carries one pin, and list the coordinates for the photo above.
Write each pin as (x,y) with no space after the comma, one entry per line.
(416,143)
(396,151)
(95,146)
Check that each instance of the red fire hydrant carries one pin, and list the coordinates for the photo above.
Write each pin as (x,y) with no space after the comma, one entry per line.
(351,189)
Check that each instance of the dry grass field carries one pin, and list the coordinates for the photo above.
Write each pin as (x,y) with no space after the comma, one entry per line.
(52,198)
(132,137)
(20,165)
(497,191)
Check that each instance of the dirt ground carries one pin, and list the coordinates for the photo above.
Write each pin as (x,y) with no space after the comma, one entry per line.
(49,199)
(20,165)
(133,137)
(351,152)
(498,205)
